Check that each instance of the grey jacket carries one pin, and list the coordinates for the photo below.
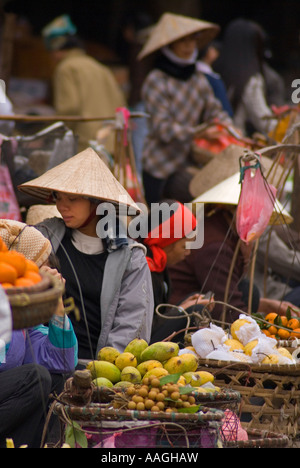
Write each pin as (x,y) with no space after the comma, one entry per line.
(127,296)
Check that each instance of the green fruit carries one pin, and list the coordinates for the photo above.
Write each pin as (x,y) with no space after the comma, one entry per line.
(136,347)
(102,382)
(125,360)
(104,369)
(108,353)
(160,351)
(146,366)
(131,374)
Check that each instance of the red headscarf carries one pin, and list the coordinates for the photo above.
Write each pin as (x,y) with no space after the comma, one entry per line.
(180,224)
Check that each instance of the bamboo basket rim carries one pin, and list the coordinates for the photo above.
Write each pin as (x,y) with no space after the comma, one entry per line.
(263,439)
(49,288)
(286,369)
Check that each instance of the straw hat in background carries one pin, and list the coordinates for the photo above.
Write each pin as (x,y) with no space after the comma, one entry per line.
(38,213)
(228,191)
(226,164)
(172,27)
(26,240)
(84,174)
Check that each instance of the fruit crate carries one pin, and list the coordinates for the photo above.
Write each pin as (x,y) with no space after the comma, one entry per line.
(270,394)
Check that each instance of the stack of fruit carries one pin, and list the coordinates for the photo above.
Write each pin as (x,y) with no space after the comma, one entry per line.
(139,363)
(16,270)
(281,327)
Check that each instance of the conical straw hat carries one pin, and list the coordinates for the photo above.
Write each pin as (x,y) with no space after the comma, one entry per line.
(172,27)
(226,164)
(228,191)
(84,174)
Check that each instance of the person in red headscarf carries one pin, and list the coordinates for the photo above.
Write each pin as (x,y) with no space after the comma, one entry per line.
(170,228)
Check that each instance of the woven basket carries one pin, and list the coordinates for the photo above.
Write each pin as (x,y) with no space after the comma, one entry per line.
(146,429)
(260,439)
(270,394)
(35,305)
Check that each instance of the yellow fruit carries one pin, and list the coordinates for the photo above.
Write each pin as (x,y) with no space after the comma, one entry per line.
(160,351)
(108,353)
(157,371)
(235,326)
(234,344)
(181,381)
(136,347)
(102,382)
(249,347)
(198,378)
(285,352)
(104,369)
(123,384)
(180,364)
(271,359)
(131,374)
(125,360)
(145,366)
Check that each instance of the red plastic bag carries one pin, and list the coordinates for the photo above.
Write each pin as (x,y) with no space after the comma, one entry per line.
(255,206)
(9,207)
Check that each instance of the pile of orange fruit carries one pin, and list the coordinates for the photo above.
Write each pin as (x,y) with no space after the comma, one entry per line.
(16,270)
(281,327)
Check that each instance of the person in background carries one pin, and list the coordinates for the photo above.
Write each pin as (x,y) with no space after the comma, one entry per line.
(206,59)
(241,64)
(171,226)
(177,97)
(82,86)
(33,362)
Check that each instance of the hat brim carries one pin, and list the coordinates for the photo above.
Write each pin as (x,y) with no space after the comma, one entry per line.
(228,191)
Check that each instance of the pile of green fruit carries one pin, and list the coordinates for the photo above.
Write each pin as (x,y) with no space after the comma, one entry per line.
(139,361)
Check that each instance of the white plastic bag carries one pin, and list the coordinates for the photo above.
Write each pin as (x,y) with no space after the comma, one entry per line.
(207,340)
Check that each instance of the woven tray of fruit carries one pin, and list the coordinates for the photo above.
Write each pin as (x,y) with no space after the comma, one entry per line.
(33,296)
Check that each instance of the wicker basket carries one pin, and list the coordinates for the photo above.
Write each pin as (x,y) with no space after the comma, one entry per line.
(35,305)
(270,394)
(260,439)
(146,429)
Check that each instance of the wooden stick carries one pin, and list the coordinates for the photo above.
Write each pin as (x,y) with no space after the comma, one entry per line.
(65,118)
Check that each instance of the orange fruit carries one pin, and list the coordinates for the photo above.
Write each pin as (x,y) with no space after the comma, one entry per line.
(295,333)
(293,323)
(272,330)
(283,334)
(23,282)
(266,332)
(31,266)
(3,246)
(271,317)
(7,285)
(33,276)
(8,274)
(15,259)
(284,320)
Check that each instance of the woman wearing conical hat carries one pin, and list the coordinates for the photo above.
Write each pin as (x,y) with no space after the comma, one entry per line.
(177,98)
(106,273)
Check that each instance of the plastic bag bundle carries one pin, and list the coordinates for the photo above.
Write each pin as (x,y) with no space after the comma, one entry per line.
(223,353)
(256,204)
(207,340)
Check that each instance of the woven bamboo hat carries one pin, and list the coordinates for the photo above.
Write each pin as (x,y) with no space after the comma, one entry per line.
(26,240)
(38,213)
(228,191)
(84,174)
(172,27)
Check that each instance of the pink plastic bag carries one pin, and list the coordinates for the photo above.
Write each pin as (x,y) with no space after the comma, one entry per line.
(9,207)
(255,206)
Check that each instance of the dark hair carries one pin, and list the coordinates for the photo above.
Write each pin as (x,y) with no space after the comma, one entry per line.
(241,56)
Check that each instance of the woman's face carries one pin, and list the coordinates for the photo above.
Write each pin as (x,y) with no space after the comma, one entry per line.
(185,47)
(176,251)
(74,209)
